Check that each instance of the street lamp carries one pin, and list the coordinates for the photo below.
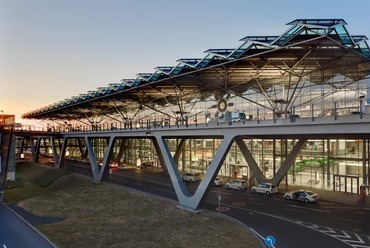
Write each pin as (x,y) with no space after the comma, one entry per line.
(2,117)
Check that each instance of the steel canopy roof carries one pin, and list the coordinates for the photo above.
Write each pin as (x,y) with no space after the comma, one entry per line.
(315,50)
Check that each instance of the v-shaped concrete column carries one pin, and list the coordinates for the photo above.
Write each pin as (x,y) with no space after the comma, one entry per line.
(288,161)
(36,150)
(186,200)
(283,168)
(62,156)
(98,173)
(55,153)
(250,160)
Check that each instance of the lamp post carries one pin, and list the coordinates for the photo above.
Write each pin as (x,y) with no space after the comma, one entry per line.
(2,170)
(2,117)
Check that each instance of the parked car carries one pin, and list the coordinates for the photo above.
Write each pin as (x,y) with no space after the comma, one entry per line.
(218,182)
(146,164)
(302,195)
(113,165)
(265,188)
(191,177)
(237,184)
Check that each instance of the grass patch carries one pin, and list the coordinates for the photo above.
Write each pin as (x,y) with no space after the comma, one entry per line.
(47,177)
(14,184)
(104,215)
(32,180)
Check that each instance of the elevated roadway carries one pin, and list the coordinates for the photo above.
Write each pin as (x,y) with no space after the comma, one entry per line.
(298,129)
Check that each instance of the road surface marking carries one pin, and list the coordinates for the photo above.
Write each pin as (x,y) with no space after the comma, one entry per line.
(295,210)
(259,235)
(4,246)
(168,191)
(312,209)
(358,212)
(355,221)
(222,193)
(337,234)
(340,208)
(258,203)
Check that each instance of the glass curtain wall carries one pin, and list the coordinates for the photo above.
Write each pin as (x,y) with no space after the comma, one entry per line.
(335,164)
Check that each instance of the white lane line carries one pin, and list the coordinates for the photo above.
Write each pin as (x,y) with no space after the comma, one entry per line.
(312,209)
(304,224)
(4,246)
(259,235)
(168,191)
(295,210)
(355,221)
(222,193)
(358,213)
(258,203)
(340,208)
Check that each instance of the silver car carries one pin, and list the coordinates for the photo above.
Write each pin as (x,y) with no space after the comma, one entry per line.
(237,184)
(265,188)
(218,182)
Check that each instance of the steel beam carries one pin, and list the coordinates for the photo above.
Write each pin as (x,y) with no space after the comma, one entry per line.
(250,160)
(288,162)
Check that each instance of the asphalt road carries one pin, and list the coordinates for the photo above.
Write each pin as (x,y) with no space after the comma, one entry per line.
(15,233)
(288,231)
(293,224)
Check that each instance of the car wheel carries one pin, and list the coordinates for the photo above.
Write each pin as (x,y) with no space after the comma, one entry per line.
(227,186)
(306,200)
(239,188)
(287,197)
(268,193)
(254,191)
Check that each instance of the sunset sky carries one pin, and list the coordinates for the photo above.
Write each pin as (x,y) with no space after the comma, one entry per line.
(51,50)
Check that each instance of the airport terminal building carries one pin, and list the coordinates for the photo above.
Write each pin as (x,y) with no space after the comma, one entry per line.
(291,109)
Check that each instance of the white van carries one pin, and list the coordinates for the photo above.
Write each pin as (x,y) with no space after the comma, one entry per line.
(232,116)
(191,177)
(237,116)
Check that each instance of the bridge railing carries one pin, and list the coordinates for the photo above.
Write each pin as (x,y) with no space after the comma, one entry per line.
(310,113)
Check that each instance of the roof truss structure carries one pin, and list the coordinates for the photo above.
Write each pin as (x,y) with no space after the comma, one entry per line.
(310,52)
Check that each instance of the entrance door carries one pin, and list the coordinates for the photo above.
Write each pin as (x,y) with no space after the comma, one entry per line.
(347,184)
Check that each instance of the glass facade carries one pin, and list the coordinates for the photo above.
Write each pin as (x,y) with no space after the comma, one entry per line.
(330,164)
